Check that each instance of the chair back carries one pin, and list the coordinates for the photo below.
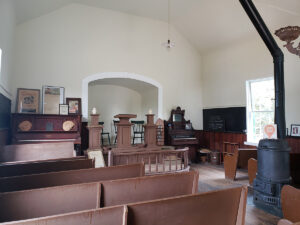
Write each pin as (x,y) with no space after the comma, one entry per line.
(138,126)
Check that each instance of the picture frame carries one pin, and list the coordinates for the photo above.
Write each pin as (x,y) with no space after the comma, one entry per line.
(63,109)
(53,96)
(74,105)
(295,130)
(28,100)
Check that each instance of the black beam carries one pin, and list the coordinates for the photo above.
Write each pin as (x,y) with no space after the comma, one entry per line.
(278,59)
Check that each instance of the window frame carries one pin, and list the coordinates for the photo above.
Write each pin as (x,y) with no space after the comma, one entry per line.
(250,111)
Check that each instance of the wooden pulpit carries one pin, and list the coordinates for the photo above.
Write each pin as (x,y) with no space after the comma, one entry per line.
(150,131)
(124,130)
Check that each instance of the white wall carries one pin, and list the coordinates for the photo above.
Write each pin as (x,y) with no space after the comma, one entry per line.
(111,100)
(226,70)
(7,26)
(67,45)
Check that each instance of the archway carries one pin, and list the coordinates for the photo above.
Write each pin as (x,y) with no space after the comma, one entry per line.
(124,75)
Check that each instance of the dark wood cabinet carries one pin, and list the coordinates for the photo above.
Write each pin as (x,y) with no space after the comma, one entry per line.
(39,128)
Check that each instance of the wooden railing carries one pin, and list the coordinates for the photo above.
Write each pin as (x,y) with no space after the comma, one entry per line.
(156,162)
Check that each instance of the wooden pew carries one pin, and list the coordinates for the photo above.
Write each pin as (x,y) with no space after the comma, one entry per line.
(71,198)
(29,204)
(106,216)
(27,182)
(231,160)
(148,188)
(45,166)
(252,169)
(290,203)
(226,207)
(32,152)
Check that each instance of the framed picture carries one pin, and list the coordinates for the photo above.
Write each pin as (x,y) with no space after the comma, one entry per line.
(295,130)
(74,105)
(52,98)
(63,109)
(28,100)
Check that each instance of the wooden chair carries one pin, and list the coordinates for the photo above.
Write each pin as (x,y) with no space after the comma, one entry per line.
(138,130)
(290,203)
(103,134)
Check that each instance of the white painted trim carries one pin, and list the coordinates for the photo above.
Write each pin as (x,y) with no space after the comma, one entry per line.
(251,143)
(100,76)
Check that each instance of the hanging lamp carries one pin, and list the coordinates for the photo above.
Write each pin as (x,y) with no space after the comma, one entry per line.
(169,44)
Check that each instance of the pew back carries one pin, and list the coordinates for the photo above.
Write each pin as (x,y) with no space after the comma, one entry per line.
(290,203)
(27,182)
(106,216)
(40,151)
(44,166)
(48,201)
(148,188)
(226,207)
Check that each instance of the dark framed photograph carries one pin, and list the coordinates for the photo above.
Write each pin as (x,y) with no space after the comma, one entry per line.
(28,100)
(295,130)
(74,105)
(63,109)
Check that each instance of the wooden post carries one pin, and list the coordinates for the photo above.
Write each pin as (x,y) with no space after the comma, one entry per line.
(94,133)
(150,131)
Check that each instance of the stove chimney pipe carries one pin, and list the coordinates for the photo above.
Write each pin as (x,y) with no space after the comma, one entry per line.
(278,59)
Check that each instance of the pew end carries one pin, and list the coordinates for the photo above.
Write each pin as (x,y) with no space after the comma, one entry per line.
(290,203)
(252,169)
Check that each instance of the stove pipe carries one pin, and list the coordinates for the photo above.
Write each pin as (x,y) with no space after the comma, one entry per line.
(278,58)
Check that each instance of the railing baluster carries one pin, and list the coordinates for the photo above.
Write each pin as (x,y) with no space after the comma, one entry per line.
(170,162)
(149,161)
(163,161)
(156,162)
(176,158)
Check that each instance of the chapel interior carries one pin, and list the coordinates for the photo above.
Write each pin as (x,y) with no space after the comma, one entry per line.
(138,112)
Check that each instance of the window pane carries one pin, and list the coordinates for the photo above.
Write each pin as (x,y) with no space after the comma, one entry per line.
(261,119)
(262,95)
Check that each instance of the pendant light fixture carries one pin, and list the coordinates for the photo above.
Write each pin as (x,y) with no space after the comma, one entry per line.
(169,44)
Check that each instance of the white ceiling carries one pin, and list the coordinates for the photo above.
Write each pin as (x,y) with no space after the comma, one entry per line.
(136,85)
(205,23)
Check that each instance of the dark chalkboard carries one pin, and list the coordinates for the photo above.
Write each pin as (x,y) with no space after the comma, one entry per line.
(231,119)
(5,107)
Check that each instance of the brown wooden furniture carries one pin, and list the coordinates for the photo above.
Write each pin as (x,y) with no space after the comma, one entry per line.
(150,132)
(27,182)
(46,128)
(290,203)
(94,133)
(206,208)
(160,132)
(156,160)
(71,198)
(231,160)
(124,130)
(177,133)
(44,166)
(37,151)
(108,216)
(252,169)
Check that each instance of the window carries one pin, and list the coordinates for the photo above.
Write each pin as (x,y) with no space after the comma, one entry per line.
(0,60)
(260,107)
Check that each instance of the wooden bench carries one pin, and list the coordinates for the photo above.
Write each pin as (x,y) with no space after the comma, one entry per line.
(33,152)
(35,203)
(45,166)
(226,207)
(27,182)
(198,209)
(290,203)
(106,216)
(231,160)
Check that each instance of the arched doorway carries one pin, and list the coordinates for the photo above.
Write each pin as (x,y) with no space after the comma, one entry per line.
(123,75)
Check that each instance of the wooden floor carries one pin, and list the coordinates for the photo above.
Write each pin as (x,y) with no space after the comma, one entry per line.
(212,178)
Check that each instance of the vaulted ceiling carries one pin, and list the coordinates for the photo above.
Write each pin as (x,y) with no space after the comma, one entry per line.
(205,23)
